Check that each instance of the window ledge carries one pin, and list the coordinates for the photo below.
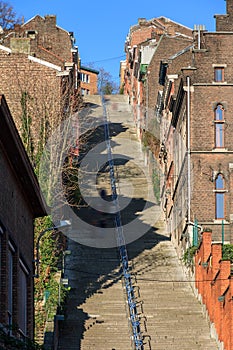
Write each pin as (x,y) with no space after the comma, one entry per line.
(219,221)
(219,82)
(214,222)
(220,149)
(220,191)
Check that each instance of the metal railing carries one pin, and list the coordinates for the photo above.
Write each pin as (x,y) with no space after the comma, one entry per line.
(133,303)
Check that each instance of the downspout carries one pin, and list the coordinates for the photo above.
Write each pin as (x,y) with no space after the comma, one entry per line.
(147,101)
(188,150)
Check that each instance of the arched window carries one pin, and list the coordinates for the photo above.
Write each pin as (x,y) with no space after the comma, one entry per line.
(219,126)
(219,197)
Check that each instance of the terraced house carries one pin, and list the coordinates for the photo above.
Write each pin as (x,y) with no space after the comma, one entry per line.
(146,44)
(179,82)
(197,134)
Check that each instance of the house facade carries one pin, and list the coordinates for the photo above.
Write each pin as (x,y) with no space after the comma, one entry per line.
(179,84)
(196,135)
(20,204)
(41,37)
(146,44)
(88,80)
(39,59)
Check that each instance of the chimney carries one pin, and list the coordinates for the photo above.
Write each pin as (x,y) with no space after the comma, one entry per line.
(224,23)
(229,7)
(51,20)
(170,30)
(141,20)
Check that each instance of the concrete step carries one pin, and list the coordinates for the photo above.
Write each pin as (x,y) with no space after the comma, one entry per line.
(97,311)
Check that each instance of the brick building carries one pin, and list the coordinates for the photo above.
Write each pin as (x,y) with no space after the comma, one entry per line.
(196,110)
(20,204)
(39,77)
(41,37)
(88,80)
(122,74)
(147,43)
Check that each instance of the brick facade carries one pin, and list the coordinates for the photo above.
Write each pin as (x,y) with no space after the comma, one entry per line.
(42,38)
(147,44)
(20,203)
(88,81)
(20,76)
(189,105)
(39,77)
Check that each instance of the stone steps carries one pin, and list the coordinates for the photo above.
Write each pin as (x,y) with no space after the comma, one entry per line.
(97,311)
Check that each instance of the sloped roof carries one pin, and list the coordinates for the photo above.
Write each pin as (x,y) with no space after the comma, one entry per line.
(89,69)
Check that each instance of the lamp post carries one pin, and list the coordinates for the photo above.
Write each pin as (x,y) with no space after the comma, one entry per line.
(63,224)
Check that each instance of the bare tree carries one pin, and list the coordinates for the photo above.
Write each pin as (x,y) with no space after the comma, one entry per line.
(8,16)
(106,84)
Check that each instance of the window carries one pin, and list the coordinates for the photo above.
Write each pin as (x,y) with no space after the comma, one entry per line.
(219,197)
(31,34)
(218,74)
(219,126)
(0,257)
(85,77)
(22,295)
(10,287)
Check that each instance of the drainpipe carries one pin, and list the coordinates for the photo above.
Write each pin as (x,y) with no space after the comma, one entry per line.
(147,100)
(189,151)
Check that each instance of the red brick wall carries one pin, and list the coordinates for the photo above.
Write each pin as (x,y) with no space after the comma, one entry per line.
(213,280)
(92,86)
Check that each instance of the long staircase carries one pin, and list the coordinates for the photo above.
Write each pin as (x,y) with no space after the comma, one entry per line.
(98,308)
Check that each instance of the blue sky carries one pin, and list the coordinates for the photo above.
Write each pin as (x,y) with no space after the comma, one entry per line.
(101,27)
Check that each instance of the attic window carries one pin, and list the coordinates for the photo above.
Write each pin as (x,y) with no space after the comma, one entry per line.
(31,34)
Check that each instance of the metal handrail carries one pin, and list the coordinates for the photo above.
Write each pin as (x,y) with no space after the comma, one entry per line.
(132,303)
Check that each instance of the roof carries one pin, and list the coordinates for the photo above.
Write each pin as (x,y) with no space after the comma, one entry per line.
(89,69)
(43,18)
(167,20)
(20,163)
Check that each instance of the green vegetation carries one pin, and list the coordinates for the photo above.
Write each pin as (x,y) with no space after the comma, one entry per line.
(227,252)
(188,255)
(49,292)
(10,342)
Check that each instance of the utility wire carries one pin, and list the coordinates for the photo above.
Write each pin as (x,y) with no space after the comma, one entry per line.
(104,60)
